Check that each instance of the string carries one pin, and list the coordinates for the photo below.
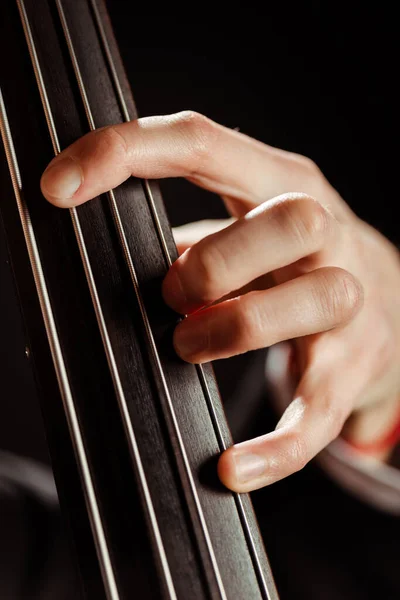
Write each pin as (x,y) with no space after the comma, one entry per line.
(103,553)
(266,592)
(146,322)
(57,356)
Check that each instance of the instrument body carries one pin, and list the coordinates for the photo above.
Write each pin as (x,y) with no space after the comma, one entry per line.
(134,432)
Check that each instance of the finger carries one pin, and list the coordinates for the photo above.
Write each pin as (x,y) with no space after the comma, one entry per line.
(273,235)
(187,235)
(323,401)
(182,145)
(314,302)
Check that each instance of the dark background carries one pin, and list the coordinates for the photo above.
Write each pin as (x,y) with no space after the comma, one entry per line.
(321,82)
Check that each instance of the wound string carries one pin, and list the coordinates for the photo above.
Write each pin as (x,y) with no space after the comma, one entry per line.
(94,513)
(265,588)
(185,465)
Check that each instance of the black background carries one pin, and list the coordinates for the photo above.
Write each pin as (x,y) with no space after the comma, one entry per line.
(321,82)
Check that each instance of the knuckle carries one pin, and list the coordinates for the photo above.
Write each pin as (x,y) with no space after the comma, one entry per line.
(237,331)
(306,219)
(350,292)
(247,324)
(111,140)
(304,167)
(309,165)
(201,133)
(242,331)
(314,220)
(340,294)
(211,267)
(299,454)
(335,417)
(191,120)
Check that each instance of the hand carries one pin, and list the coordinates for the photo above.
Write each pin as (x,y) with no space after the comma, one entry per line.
(294,263)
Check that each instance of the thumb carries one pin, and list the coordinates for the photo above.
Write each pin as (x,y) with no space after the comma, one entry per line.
(315,417)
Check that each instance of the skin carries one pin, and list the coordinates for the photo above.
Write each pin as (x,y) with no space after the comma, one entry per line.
(293,263)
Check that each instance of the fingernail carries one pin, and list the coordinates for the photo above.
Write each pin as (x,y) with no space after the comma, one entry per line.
(189,341)
(249,466)
(62,179)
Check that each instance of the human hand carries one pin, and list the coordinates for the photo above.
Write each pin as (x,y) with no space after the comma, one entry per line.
(294,264)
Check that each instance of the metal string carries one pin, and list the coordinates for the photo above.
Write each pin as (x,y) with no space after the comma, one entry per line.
(58,359)
(202,377)
(146,322)
(103,552)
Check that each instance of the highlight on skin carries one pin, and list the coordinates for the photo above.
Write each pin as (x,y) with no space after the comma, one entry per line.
(293,263)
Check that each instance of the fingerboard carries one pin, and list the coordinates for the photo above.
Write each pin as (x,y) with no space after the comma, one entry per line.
(134,432)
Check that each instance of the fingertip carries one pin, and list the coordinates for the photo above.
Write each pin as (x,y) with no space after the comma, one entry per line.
(172,290)
(175,292)
(183,344)
(242,472)
(226,470)
(61,181)
(191,340)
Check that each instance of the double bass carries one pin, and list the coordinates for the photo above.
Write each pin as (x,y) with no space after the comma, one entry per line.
(133,431)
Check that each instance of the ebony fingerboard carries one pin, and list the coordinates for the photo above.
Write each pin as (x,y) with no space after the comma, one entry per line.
(170,529)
